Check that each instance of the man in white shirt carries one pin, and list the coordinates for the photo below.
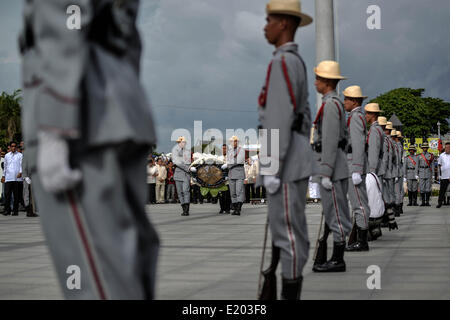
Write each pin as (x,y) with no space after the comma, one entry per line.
(11,174)
(444,166)
(160,181)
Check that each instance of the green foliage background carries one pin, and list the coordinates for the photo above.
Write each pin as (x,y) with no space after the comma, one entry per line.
(10,123)
(419,115)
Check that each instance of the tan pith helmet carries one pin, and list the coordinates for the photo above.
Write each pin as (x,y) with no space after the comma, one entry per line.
(290,8)
(329,70)
(353,92)
(181,139)
(389,126)
(412,147)
(393,133)
(234,138)
(399,134)
(424,145)
(373,107)
(382,121)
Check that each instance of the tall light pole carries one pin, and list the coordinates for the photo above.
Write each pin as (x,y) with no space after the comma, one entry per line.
(325,42)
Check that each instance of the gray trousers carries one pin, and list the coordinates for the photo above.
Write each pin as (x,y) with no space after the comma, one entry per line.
(101,227)
(412,185)
(288,226)
(359,202)
(237,190)
(388,191)
(335,209)
(26,193)
(183,190)
(398,187)
(425,185)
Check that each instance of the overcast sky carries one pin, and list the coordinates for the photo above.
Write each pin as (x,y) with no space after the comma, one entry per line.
(206,59)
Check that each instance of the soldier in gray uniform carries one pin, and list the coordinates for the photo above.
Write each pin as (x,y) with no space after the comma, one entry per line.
(375,146)
(236,175)
(399,192)
(411,174)
(181,157)
(284,108)
(357,165)
(425,161)
(88,128)
(330,140)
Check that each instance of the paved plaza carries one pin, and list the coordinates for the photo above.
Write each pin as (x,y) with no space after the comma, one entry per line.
(211,256)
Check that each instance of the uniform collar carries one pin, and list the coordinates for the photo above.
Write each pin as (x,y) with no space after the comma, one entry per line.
(330,94)
(288,46)
(357,109)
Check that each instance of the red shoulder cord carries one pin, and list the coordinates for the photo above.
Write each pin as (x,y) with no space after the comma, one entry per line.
(412,160)
(263,95)
(288,81)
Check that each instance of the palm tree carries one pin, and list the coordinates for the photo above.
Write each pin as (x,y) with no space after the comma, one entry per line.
(10,114)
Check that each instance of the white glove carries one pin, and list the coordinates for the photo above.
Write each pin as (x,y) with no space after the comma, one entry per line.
(224,166)
(271,183)
(404,180)
(27,180)
(417,177)
(326,183)
(396,179)
(193,169)
(356,177)
(53,163)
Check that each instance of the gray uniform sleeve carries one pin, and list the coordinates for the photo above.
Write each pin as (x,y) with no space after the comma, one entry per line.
(358,138)
(330,138)
(374,149)
(278,114)
(63,55)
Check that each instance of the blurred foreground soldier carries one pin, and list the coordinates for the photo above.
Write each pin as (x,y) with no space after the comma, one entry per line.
(284,107)
(181,157)
(444,168)
(236,174)
(375,145)
(410,170)
(330,141)
(88,129)
(399,191)
(425,160)
(357,166)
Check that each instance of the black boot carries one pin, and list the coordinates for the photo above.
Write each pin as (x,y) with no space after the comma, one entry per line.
(427,199)
(415,204)
(236,209)
(269,289)
(187,209)
(422,197)
(392,223)
(400,208)
(396,210)
(233,207)
(385,218)
(374,229)
(291,289)
(321,255)
(183,205)
(410,198)
(353,238)
(30,212)
(336,263)
(361,244)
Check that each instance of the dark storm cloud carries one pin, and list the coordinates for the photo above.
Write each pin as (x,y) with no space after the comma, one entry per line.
(204,57)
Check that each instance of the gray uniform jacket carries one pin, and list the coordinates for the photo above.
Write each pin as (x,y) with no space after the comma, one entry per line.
(295,154)
(401,155)
(376,146)
(395,160)
(357,158)
(182,159)
(81,89)
(424,169)
(388,154)
(410,168)
(331,130)
(235,163)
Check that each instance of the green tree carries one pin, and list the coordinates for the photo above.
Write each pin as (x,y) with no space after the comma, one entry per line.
(10,123)
(419,115)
